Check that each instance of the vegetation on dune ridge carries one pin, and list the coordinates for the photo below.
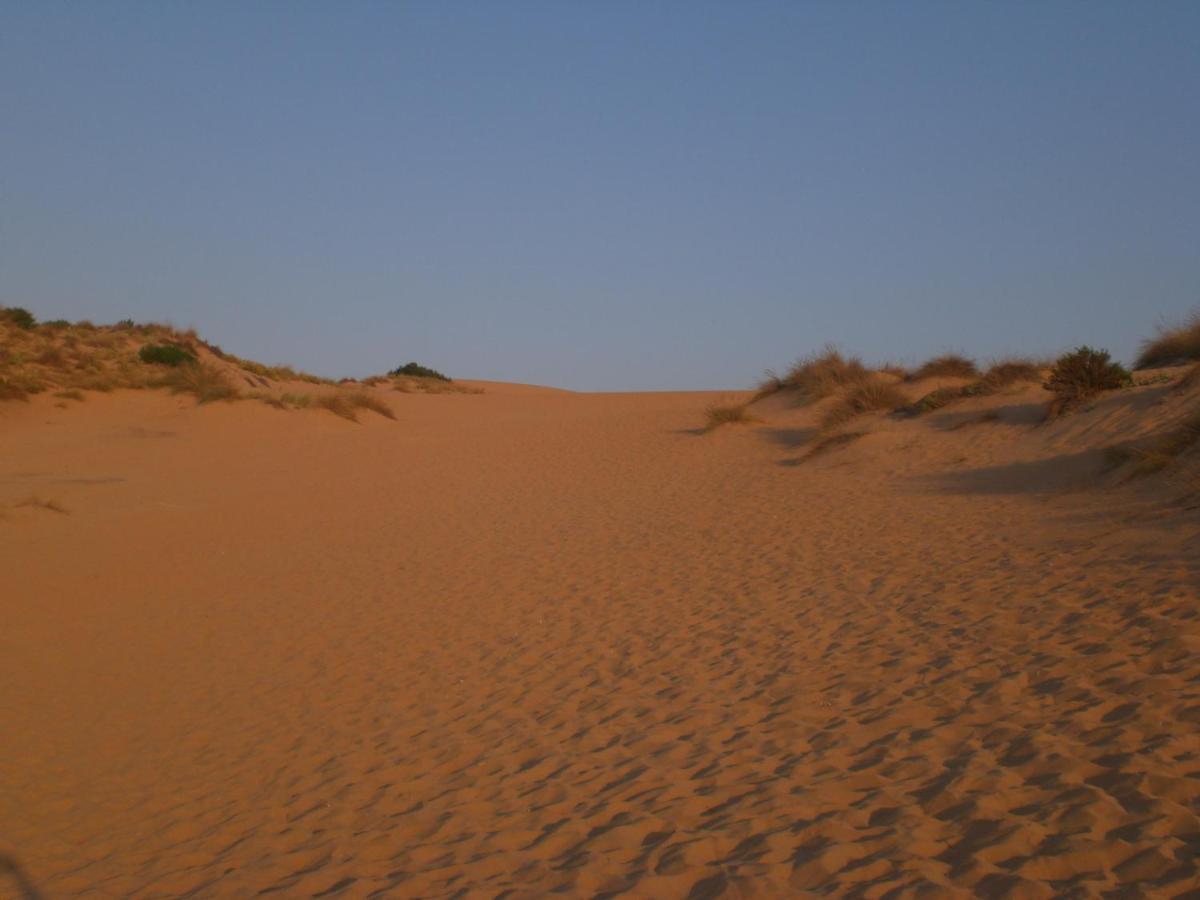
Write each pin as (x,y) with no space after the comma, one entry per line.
(950,365)
(416,370)
(70,357)
(1081,375)
(1173,345)
(874,395)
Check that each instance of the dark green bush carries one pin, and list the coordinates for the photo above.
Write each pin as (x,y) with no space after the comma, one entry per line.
(165,355)
(57,324)
(22,318)
(415,370)
(1083,373)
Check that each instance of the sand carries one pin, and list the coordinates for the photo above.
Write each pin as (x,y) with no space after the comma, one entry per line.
(529,643)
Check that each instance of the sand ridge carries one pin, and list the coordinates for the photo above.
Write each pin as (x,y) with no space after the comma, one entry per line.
(531,642)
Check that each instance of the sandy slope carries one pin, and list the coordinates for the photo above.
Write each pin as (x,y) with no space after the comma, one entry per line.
(530,641)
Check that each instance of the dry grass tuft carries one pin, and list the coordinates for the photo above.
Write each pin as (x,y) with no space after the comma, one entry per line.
(825,373)
(870,396)
(347,404)
(10,390)
(1173,346)
(949,365)
(204,382)
(69,395)
(719,414)
(1190,380)
(1008,372)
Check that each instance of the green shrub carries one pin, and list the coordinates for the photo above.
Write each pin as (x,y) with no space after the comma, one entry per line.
(22,318)
(416,370)
(57,324)
(166,355)
(1082,374)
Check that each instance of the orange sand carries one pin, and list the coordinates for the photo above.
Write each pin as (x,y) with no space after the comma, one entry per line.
(529,642)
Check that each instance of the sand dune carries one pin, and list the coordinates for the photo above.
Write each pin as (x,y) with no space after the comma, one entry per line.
(530,642)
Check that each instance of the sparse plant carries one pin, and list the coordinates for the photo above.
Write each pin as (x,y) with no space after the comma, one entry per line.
(718,414)
(206,383)
(10,390)
(871,396)
(825,373)
(1173,345)
(949,365)
(69,395)
(166,355)
(1161,452)
(347,403)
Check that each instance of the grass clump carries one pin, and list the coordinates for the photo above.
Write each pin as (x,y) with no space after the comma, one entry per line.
(347,404)
(10,390)
(416,370)
(949,365)
(719,414)
(1172,346)
(166,355)
(1008,372)
(206,383)
(870,396)
(69,395)
(1082,374)
(825,373)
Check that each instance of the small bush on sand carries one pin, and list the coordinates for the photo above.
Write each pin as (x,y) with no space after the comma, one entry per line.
(1081,374)
(69,395)
(20,317)
(719,414)
(948,366)
(871,396)
(204,382)
(825,373)
(416,370)
(166,355)
(1172,346)
(347,403)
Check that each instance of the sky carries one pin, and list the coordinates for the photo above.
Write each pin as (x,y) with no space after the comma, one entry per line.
(609,195)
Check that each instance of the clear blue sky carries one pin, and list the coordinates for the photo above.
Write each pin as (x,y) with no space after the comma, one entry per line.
(605,195)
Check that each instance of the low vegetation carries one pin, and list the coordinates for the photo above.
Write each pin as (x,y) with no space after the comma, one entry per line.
(949,365)
(998,377)
(347,404)
(1081,375)
(719,414)
(825,373)
(416,370)
(1173,346)
(204,382)
(166,355)
(874,395)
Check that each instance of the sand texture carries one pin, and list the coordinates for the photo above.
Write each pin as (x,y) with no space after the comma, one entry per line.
(531,643)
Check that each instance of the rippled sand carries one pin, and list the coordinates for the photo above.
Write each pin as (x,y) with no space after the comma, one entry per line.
(531,642)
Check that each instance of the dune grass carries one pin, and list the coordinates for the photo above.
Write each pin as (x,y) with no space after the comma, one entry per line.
(825,373)
(875,395)
(346,404)
(1172,346)
(949,365)
(204,382)
(718,414)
